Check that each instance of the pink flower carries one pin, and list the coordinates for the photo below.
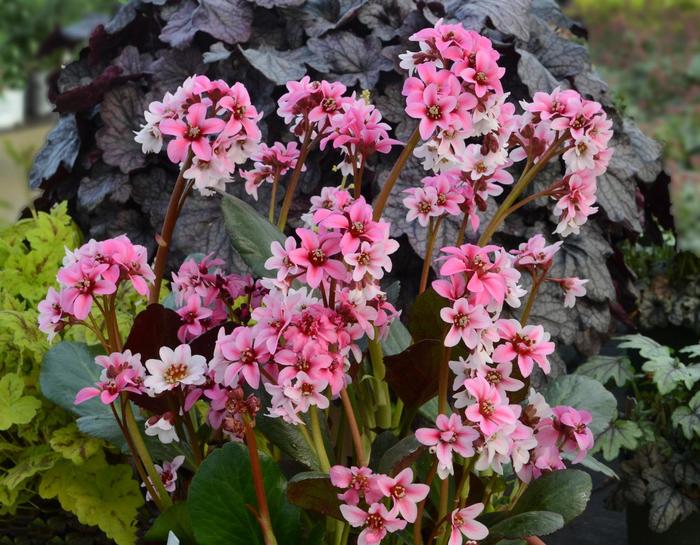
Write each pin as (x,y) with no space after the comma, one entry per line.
(467,321)
(529,344)
(464,523)
(360,482)
(372,259)
(489,410)
(432,107)
(306,391)
(132,259)
(573,287)
(404,493)
(194,132)
(174,368)
(121,372)
(355,223)
(422,203)
(573,424)
(192,315)
(500,378)
(535,253)
(82,282)
(280,259)
(329,102)
(554,104)
(449,436)
(53,313)
(377,522)
(168,474)
(244,353)
(315,255)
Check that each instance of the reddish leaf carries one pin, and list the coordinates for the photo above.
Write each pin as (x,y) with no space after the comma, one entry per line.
(413,374)
(204,344)
(154,327)
(313,491)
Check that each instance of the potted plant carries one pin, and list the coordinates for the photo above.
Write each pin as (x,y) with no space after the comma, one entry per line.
(657,436)
(293,405)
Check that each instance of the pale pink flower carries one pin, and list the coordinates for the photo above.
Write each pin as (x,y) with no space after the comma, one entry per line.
(449,436)
(359,482)
(573,287)
(315,256)
(305,391)
(162,427)
(174,368)
(529,345)
(464,524)
(467,321)
(404,493)
(489,411)
(377,522)
(372,259)
(422,204)
(243,354)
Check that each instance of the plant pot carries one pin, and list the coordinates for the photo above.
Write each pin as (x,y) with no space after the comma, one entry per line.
(685,532)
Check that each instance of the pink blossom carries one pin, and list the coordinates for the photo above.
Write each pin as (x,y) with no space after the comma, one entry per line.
(175,368)
(377,522)
(193,314)
(315,255)
(449,436)
(53,313)
(535,253)
(467,320)
(404,493)
(573,287)
(360,482)
(305,391)
(121,372)
(422,203)
(243,354)
(529,344)
(489,410)
(194,131)
(464,523)
(82,282)
(372,259)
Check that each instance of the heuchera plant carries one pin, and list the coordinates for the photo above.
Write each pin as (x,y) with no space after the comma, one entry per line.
(283,357)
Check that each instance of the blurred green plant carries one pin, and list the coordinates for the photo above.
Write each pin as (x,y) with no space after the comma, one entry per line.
(24,24)
(42,452)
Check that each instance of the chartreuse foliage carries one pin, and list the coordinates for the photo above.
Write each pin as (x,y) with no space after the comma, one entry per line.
(42,450)
(658,429)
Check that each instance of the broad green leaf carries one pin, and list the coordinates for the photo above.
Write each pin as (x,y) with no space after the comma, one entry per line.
(99,494)
(251,234)
(289,439)
(532,523)
(594,464)
(67,368)
(565,492)
(33,460)
(401,455)
(647,347)
(313,491)
(398,339)
(73,445)
(15,408)
(668,373)
(692,351)
(221,489)
(688,418)
(605,368)
(175,519)
(583,392)
(621,434)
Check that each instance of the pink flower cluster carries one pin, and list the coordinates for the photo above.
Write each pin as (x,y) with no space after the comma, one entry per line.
(270,164)
(321,110)
(207,295)
(213,122)
(363,500)
(96,269)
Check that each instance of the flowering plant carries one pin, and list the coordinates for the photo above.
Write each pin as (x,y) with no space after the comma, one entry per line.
(307,363)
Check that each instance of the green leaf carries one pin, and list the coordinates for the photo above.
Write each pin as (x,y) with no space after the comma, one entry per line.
(688,418)
(98,493)
(289,440)
(594,464)
(175,519)
(565,492)
(250,233)
(401,455)
(692,351)
(605,368)
(620,434)
(15,408)
(313,491)
(33,460)
(532,523)
(67,368)
(583,392)
(73,445)
(398,339)
(221,489)
(668,373)
(647,347)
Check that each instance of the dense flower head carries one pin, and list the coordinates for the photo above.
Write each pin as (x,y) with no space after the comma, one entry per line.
(121,372)
(213,123)
(95,270)
(270,164)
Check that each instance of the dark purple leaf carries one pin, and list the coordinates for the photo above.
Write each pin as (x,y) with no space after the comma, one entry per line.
(205,343)
(61,150)
(320,16)
(282,66)
(413,374)
(122,113)
(84,97)
(510,19)
(400,456)
(560,56)
(227,20)
(269,4)
(385,17)
(133,63)
(179,28)
(153,328)
(103,183)
(351,60)
(313,491)
(172,66)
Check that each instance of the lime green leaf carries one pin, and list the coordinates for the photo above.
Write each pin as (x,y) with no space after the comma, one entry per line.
(32,461)
(73,445)
(15,408)
(99,494)
(693,351)
(565,492)
(250,233)
(621,434)
(221,489)
(647,347)
(583,392)
(668,373)
(688,418)
(605,368)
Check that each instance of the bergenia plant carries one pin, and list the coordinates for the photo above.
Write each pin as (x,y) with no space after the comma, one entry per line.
(428,434)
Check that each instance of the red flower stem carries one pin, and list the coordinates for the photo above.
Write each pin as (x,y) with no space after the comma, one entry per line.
(166,234)
(383,197)
(417,527)
(306,147)
(263,514)
(273,195)
(462,230)
(434,532)
(432,236)
(354,429)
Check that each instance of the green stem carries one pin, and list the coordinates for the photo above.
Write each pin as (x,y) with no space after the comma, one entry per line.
(443,380)
(273,196)
(318,439)
(376,356)
(162,500)
(383,197)
(433,230)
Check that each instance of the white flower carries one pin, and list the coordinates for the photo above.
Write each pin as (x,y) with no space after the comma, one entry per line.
(175,367)
(162,427)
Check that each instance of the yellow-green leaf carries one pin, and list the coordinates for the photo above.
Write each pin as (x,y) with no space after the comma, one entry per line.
(73,445)
(15,408)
